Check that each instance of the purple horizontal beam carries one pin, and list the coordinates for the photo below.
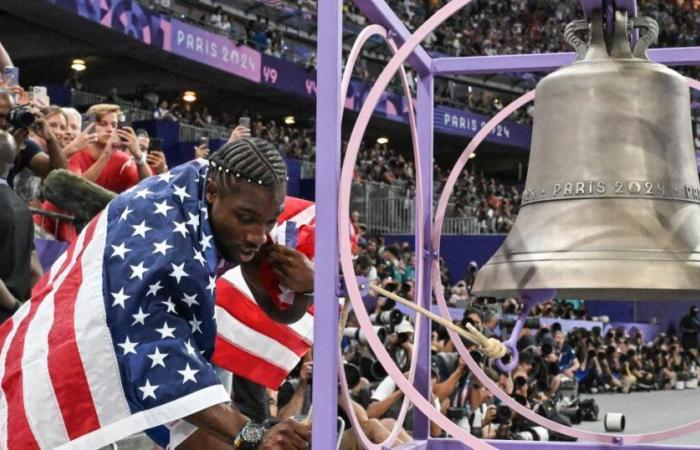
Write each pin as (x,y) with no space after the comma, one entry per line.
(453,444)
(377,11)
(628,5)
(547,62)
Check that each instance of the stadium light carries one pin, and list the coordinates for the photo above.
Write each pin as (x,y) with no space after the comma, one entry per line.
(289,120)
(78,65)
(382,140)
(189,96)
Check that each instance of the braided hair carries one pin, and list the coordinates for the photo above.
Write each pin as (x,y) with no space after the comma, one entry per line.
(254,160)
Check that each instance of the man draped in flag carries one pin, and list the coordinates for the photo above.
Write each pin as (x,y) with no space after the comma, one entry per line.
(119,333)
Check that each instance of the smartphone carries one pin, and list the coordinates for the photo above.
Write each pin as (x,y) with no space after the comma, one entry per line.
(10,75)
(155,145)
(203,141)
(244,122)
(38,97)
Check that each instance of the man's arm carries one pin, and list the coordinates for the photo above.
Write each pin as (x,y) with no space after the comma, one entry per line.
(379,408)
(41,164)
(5,59)
(7,300)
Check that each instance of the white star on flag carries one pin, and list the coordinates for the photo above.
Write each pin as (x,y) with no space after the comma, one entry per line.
(119,298)
(128,346)
(205,242)
(195,325)
(125,213)
(194,221)
(189,348)
(162,208)
(190,299)
(154,288)
(157,358)
(199,257)
(181,192)
(148,390)
(142,193)
(205,212)
(188,374)
(139,317)
(212,284)
(171,306)
(120,250)
(138,271)
(180,227)
(167,176)
(178,271)
(165,331)
(141,229)
(161,247)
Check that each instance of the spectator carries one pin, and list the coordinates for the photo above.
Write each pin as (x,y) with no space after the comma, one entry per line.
(689,328)
(16,238)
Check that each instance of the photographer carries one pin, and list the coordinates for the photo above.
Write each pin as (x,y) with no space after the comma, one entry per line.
(400,346)
(18,121)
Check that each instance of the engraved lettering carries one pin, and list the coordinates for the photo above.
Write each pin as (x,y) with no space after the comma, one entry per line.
(634,188)
(568,188)
(600,187)
(649,188)
(590,187)
(619,187)
(661,188)
(580,188)
(557,190)
(688,191)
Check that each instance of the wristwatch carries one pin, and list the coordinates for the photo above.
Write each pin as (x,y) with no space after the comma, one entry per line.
(249,437)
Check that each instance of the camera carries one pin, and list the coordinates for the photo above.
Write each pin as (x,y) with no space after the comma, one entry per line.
(352,375)
(359,335)
(21,117)
(503,415)
(393,317)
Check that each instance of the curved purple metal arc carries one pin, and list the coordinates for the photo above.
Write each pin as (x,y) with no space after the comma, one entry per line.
(366,34)
(344,222)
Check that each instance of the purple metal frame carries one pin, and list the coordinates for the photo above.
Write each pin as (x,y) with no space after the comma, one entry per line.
(328,112)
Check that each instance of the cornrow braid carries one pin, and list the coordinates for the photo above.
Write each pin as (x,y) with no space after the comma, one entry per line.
(251,159)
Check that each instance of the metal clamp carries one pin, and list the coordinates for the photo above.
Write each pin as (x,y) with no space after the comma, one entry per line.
(646,39)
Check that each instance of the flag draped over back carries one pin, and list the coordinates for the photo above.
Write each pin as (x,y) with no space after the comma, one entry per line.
(249,343)
(117,336)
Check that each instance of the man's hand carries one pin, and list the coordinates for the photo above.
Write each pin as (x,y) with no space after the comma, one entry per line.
(20,134)
(287,435)
(306,372)
(201,151)
(489,416)
(293,268)
(238,133)
(41,128)
(128,135)
(156,160)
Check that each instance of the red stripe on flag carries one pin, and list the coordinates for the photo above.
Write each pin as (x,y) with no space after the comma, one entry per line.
(249,313)
(66,370)
(292,207)
(20,436)
(247,365)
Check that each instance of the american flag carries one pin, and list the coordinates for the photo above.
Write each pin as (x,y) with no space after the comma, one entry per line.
(117,336)
(249,343)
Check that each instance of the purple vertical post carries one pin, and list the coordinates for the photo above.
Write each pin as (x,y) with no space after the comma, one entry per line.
(424,255)
(325,386)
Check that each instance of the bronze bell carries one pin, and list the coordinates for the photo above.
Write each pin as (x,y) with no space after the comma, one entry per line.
(611,207)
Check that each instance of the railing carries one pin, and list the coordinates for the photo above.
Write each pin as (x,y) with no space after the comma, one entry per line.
(191,133)
(80,98)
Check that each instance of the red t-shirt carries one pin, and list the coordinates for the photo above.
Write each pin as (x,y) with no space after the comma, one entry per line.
(118,175)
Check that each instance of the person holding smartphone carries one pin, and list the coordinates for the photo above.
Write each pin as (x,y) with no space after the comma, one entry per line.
(156,157)
(201,150)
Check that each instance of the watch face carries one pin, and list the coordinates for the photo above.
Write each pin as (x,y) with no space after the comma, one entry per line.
(252,433)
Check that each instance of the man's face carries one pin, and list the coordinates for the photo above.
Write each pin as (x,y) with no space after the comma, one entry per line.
(559,339)
(72,129)
(242,218)
(105,127)
(57,123)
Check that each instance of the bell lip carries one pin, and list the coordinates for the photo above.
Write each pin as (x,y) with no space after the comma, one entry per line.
(591,279)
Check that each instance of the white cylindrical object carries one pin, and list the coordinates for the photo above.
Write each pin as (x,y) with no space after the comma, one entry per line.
(680,385)
(540,433)
(691,384)
(614,422)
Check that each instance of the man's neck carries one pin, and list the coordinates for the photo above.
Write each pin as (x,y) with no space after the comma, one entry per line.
(96,150)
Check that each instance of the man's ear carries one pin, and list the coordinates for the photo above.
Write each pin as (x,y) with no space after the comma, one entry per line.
(212,190)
